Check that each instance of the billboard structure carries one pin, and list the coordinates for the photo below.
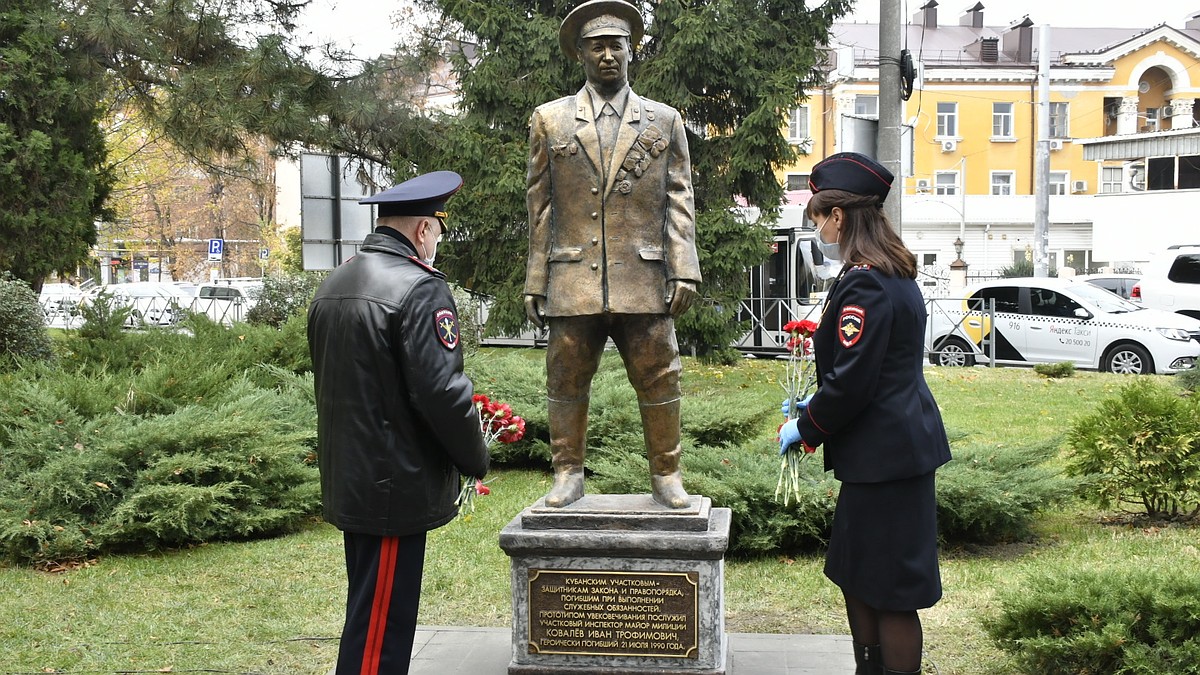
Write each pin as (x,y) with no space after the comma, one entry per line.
(332,222)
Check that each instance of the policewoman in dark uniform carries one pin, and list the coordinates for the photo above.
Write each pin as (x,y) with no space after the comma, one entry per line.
(396,425)
(876,418)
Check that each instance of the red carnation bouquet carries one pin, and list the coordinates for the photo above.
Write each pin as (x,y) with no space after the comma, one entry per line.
(498,424)
(799,382)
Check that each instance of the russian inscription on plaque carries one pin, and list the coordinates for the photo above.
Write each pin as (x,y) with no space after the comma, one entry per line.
(599,612)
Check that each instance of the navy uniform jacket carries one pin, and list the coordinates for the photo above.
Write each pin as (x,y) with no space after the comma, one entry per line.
(872,410)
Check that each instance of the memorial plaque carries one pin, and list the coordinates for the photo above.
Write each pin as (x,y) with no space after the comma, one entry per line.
(605,613)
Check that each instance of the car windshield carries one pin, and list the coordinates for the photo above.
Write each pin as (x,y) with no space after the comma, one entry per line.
(1105,301)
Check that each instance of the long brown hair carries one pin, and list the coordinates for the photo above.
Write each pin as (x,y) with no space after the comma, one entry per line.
(866,235)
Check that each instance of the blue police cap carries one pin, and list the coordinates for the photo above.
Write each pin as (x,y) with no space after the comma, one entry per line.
(852,172)
(424,195)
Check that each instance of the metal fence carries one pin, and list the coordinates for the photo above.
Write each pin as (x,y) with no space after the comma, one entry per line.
(66,313)
(960,326)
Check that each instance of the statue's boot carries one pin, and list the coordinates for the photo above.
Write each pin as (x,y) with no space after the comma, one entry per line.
(660,427)
(568,445)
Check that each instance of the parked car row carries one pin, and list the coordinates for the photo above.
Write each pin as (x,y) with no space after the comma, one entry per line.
(1170,282)
(153,303)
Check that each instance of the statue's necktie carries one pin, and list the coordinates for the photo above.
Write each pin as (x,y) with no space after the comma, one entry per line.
(606,126)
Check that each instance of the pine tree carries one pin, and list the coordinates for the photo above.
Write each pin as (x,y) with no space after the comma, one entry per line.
(53,179)
(732,67)
(215,76)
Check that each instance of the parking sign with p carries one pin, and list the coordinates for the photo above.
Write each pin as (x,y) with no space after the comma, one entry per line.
(216,248)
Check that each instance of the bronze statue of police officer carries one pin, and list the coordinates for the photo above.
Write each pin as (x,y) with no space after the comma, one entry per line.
(612,250)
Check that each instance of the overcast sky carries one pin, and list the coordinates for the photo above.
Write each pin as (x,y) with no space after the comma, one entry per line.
(366,26)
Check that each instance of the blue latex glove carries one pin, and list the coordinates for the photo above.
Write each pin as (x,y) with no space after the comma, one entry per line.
(789,434)
(800,405)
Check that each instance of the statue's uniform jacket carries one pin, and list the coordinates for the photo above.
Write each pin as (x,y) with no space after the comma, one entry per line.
(608,241)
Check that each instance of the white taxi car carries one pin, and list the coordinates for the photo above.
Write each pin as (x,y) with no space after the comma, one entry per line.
(1048,320)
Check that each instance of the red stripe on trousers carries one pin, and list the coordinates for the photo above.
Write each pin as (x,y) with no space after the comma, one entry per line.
(379,608)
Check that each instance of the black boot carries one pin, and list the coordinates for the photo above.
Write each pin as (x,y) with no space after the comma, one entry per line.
(889,671)
(867,660)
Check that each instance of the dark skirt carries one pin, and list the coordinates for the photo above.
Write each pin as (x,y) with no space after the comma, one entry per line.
(883,549)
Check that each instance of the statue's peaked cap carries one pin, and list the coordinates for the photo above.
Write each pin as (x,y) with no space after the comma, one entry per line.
(596,18)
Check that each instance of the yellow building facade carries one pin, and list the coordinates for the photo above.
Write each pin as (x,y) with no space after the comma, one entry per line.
(973,112)
(972,121)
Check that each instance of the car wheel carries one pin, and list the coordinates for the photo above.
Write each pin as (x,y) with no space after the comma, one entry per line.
(1128,359)
(952,351)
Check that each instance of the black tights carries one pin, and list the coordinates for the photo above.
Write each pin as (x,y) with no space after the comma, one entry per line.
(898,634)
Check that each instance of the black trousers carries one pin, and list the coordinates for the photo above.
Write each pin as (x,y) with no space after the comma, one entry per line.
(384,592)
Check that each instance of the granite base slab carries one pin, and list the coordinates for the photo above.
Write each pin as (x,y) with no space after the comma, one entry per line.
(618,584)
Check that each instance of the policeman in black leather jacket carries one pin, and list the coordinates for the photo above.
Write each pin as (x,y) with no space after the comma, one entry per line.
(396,421)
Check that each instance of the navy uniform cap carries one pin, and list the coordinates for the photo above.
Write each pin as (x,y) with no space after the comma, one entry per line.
(852,172)
(424,195)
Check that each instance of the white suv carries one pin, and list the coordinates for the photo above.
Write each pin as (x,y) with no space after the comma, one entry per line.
(1172,281)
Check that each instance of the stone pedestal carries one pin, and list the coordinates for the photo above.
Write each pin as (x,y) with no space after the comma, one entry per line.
(618,584)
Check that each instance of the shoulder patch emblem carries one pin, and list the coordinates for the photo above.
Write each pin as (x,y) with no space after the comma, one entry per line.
(445,324)
(850,324)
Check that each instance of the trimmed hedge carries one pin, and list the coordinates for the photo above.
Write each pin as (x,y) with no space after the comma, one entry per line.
(730,454)
(1128,621)
(22,322)
(1140,448)
(157,439)
(986,496)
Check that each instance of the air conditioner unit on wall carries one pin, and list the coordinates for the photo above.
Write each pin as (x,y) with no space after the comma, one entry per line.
(949,145)
(1056,144)
(923,185)
(1079,186)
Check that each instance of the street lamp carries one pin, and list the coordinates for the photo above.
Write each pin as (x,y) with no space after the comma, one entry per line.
(958,268)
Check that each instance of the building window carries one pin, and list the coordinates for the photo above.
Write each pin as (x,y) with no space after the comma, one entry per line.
(945,182)
(1151,120)
(1002,182)
(927,272)
(1060,118)
(1058,182)
(797,181)
(798,124)
(867,106)
(947,119)
(1112,179)
(1081,261)
(1002,120)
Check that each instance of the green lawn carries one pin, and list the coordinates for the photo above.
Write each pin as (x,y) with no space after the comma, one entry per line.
(275,606)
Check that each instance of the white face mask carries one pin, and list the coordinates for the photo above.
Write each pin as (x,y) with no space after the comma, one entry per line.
(433,252)
(833,250)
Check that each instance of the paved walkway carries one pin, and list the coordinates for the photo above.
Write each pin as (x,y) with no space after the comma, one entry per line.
(442,650)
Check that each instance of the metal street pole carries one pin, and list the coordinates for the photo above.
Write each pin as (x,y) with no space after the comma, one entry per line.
(891,107)
(1041,174)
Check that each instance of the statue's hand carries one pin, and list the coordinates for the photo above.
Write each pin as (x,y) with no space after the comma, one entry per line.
(680,295)
(535,309)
